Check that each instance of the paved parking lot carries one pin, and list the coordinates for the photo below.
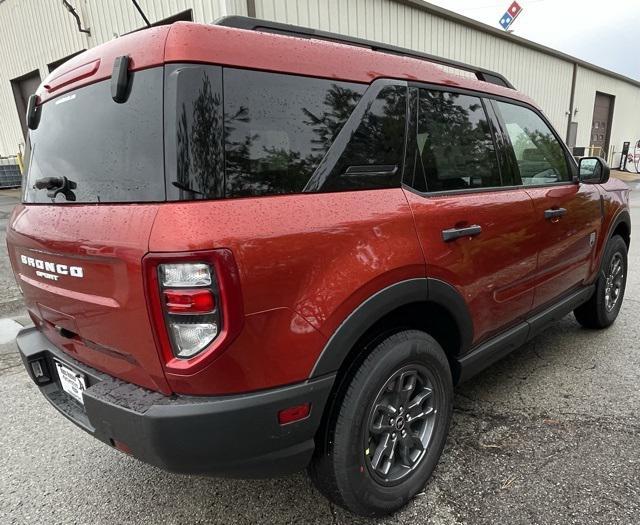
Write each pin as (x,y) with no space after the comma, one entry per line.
(549,435)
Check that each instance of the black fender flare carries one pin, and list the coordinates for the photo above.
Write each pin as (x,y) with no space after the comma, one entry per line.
(384,302)
(622,217)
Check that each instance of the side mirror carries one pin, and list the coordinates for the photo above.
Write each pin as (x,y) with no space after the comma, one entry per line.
(593,170)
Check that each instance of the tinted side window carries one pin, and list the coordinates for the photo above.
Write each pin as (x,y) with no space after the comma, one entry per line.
(368,153)
(540,157)
(279,127)
(454,147)
(194,154)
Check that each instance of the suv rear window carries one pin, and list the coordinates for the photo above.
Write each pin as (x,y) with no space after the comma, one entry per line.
(113,152)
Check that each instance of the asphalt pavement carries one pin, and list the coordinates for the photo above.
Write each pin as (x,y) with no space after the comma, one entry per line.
(548,435)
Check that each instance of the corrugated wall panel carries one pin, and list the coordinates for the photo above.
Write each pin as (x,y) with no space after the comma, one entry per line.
(120,16)
(544,78)
(626,110)
(31,38)
(38,32)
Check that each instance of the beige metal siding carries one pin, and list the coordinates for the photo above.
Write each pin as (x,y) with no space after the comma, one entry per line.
(120,16)
(38,32)
(544,78)
(626,111)
(32,37)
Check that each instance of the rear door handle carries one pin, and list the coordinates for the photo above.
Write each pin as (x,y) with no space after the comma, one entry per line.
(454,233)
(372,170)
(554,213)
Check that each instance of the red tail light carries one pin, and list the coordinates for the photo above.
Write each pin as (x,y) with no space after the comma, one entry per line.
(195,303)
(189,301)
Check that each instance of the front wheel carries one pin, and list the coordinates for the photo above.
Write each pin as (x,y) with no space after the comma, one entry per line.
(602,309)
(387,435)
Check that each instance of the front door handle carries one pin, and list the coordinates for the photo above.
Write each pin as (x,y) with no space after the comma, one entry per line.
(554,213)
(454,233)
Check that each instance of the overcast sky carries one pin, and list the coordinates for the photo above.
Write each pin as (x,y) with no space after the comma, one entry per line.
(604,32)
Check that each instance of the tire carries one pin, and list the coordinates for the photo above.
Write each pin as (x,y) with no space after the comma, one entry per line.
(350,470)
(601,311)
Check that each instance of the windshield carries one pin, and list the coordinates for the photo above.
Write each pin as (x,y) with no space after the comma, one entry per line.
(110,152)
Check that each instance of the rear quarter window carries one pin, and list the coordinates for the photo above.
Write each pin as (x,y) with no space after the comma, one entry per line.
(368,153)
(279,127)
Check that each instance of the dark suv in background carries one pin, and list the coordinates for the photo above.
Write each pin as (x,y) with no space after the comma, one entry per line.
(248,248)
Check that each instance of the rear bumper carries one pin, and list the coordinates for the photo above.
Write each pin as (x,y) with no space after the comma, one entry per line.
(237,436)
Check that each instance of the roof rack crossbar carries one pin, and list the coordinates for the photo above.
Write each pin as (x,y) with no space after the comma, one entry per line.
(255,24)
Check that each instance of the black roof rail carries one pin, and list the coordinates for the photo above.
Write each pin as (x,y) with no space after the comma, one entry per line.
(256,24)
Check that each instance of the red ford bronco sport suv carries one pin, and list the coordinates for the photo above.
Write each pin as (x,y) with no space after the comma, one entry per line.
(249,248)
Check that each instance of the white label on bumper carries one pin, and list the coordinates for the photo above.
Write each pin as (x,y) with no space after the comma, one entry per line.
(73,383)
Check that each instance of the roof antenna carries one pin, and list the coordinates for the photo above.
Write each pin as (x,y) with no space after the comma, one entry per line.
(144,17)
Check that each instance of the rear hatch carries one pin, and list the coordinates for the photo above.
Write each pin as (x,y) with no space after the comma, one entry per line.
(77,247)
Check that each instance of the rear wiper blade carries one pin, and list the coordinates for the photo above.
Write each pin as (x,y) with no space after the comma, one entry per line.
(55,185)
(49,183)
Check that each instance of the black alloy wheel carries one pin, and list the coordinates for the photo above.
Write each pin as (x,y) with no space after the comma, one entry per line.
(401,424)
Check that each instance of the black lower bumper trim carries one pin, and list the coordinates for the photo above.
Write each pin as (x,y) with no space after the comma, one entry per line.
(237,436)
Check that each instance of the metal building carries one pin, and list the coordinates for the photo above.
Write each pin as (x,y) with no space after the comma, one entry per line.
(592,107)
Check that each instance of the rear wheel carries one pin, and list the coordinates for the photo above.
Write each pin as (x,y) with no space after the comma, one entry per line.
(387,434)
(602,309)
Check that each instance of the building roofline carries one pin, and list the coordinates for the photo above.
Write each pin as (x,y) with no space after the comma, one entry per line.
(485,28)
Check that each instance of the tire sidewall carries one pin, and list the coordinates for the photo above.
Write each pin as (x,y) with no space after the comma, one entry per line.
(358,486)
(615,245)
